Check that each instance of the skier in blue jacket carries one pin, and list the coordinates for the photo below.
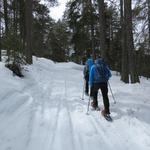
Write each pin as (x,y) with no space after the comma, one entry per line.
(87,68)
(99,76)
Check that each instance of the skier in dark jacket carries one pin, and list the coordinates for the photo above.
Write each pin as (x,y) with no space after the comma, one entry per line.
(86,72)
(99,76)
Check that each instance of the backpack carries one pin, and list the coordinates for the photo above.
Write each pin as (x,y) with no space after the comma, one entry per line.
(101,72)
(88,66)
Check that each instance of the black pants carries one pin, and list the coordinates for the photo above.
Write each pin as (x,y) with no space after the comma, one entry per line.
(104,91)
(87,84)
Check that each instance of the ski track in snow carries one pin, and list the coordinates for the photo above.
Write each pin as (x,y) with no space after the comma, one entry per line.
(44,111)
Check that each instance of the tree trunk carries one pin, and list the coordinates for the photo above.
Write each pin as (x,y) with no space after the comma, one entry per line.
(124,66)
(0,31)
(129,41)
(148,2)
(92,29)
(102,23)
(22,21)
(110,35)
(29,4)
(15,10)
(5,15)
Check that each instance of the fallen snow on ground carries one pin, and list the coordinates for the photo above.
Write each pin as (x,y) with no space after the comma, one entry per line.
(44,111)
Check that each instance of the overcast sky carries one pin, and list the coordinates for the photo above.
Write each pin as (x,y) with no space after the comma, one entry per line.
(57,12)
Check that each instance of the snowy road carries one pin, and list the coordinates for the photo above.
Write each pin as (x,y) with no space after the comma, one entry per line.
(44,111)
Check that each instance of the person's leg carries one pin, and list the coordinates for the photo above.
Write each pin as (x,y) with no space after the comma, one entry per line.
(91,92)
(104,90)
(94,96)
(87,84)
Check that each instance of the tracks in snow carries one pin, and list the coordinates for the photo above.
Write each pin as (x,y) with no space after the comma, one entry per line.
(51,116)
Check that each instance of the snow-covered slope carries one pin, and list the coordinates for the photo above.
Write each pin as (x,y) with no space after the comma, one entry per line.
(44,111)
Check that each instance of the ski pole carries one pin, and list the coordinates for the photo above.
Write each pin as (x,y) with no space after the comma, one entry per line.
(88,106)
(112,93)
(99,93)
(83,91)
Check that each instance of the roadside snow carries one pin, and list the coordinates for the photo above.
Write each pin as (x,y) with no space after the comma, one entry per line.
(44,111)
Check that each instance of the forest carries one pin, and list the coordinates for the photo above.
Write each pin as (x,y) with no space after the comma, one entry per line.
(118,30)
(77,82)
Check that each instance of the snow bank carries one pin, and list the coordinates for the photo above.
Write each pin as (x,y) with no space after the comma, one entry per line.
(44,111)
(71,65)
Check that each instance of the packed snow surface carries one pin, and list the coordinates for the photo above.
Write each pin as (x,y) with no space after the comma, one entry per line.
(44,111)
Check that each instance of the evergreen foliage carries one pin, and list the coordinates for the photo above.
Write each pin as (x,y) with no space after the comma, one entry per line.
(84,30)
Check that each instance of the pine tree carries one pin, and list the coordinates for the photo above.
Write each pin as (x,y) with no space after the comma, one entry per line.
(29,6)
(129,41)
(125,70)
(102,22)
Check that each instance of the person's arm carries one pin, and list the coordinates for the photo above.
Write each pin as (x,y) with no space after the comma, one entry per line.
(108,72)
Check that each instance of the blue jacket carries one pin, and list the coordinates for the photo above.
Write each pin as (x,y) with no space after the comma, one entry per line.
(88,66)
(99,73)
